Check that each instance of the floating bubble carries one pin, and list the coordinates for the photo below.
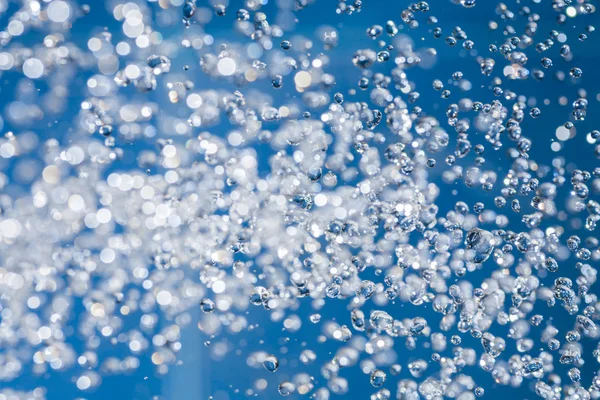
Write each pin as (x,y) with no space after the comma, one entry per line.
(271,363)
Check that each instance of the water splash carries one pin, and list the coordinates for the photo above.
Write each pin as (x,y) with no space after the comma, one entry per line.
(246,171)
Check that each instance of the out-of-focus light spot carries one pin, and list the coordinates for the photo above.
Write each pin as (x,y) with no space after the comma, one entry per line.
(164,298)
(33,68)
(59,11)
(562,133)
(10,228)
(226,66)
(302,79)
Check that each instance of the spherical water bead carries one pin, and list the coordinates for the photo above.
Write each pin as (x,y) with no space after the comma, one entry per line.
(516,205)
(383,56)
(579,109)
(314,173)
(437,32)
(476,333)
(286,45)
(535,112)
(357,318)
(259,295)
(541,47)
(584,254)
(588,8)
(277,81)
(493,345)
(286,388)
(551,264)
(390,28)
(374,31)
(573,336)
(418,325)
(330,179)
(565,50)
(452,111)
(338,97)
(468,3)
(381,320)
(409,18)
(394,152)
(270,114)
(455,339)
(478,207)
(418,368)
(422,6)
(333,290)
(546,62)
(438,85)
(207,305)
(378,378)
(271,363)
(159,64)
(364,58)
(462,208)
(573,242)
(575,375)
(189,9)
(450,160)
(390,294)
(243,15)
(582,191)
(480,244)
(468,44)
(479,391)
(259,65)
(220,10)
(499,201)
(110,142)
(533,366)
(382,394)
(457,76)
(576,72)
(430,162)
(105,130)
(343,334)
(537,319)
(363,83)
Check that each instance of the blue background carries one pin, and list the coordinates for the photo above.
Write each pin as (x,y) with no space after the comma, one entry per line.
(199,376)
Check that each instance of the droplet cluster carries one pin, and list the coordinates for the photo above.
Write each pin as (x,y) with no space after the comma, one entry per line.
(437,240)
